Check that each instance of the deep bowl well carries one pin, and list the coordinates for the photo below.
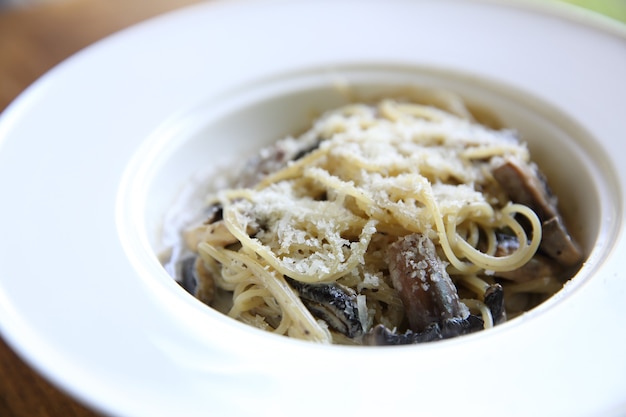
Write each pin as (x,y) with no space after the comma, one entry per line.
(171,172)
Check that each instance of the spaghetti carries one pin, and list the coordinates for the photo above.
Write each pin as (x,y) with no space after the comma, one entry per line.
(304,249)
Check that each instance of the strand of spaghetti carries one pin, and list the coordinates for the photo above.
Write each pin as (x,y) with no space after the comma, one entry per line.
(472,234)
(227,196)
(488,151)
(452,236)
(235,275)
(440,228)
(293,169)
(473,283)
(388,296)
(305,326)
(477,211)
(364,202)
(230,273)
(491,241)
(547,285)
(333,182)
(353,160)
(239,280)
(485,312)
(518,258)
(246,299)
(222,280)
(447,101)
(393,111)
(284,325)
(475,226)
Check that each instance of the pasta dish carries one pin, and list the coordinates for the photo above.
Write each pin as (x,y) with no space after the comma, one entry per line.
(392,222)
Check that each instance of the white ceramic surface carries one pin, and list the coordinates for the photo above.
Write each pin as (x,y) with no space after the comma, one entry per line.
(94,153)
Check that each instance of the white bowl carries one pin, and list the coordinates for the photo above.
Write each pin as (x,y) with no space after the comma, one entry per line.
(84,299)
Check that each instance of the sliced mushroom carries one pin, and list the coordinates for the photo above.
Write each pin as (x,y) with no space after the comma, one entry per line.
(382,336)
(189,280)
(214,213)
(333,303)
(425,288)
(494,299)
(558,244)
(196,280)
(525,184)
(274,158)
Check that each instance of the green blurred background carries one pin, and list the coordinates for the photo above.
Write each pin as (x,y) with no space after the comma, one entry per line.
(615,9)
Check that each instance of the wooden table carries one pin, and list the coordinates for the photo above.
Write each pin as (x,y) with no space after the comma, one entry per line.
(32,40)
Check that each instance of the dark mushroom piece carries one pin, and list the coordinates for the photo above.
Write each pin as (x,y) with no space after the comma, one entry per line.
(423,284)
(558,244)
(214,213)
(524,184)
(382,336)
(196,280)
(274,158)
(494,300)
(306,149)
(333,303)
(539,266)
(189,280)
(432,305)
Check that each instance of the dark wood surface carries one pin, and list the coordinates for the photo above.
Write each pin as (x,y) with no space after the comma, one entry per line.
(32,40)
